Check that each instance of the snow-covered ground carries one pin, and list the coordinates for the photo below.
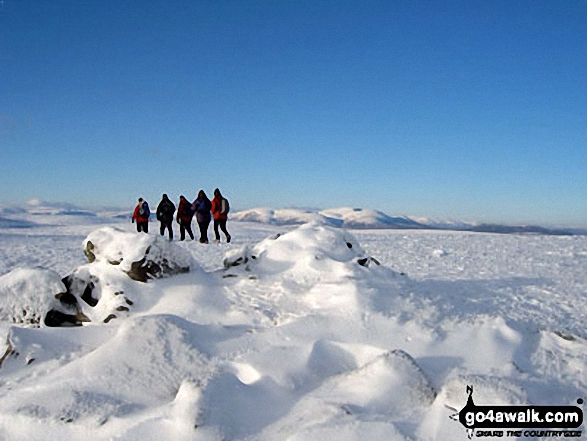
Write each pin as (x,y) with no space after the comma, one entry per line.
(297,340)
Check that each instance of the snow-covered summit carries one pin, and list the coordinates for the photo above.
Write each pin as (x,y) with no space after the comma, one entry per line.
(37,212)
(40,207)
(369,219)
(362,218)
(346,217)
(283,216)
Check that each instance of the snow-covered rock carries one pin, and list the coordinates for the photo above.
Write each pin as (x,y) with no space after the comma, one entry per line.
(30,296)
(141,256)
(101,291)
(102,287)
(98,291)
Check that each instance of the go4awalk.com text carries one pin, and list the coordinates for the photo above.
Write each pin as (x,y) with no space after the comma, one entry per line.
(520,421)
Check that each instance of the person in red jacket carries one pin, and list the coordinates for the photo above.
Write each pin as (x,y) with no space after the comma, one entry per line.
(141,216)
(184,218)
(220,209)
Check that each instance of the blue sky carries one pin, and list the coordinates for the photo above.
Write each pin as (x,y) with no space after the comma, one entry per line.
(466,109)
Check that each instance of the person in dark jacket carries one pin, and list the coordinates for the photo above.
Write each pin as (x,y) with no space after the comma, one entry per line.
(141,216)
(220,214)
(165,212)
(202,207)
(184,218)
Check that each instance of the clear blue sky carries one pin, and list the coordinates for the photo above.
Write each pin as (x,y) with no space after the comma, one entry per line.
(468,109)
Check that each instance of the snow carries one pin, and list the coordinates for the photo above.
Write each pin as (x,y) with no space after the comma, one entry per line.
(340,217)
(365,218)
(361,218)
(26,294)
(284,335)
(122,248)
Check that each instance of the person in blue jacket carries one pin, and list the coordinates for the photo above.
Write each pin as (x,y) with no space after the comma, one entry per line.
(202,207)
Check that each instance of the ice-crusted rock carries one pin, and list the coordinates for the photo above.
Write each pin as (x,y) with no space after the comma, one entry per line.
(239,257)
(141,256)
(37,297)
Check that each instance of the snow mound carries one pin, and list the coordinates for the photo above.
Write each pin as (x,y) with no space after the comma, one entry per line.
(28,294)
(330,358)
(315,265)
(311,248)
(141,256)
(392,384)
(368,399)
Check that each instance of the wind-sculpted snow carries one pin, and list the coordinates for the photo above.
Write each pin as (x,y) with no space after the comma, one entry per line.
(298,333)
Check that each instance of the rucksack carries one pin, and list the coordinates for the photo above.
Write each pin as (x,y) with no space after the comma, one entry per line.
(144,210)
(165,210)
(167,207)
(224,206)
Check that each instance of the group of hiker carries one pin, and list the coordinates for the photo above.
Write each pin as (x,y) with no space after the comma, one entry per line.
(203,208)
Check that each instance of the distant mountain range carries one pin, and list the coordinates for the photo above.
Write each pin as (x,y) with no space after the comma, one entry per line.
(42,208)
(26,216)
(340,217)
(359,218)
